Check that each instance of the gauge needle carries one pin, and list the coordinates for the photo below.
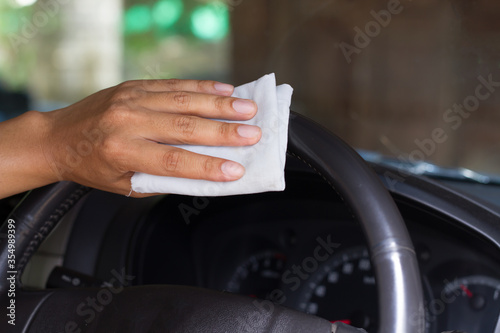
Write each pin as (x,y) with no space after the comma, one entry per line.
(345,321)
(466,290)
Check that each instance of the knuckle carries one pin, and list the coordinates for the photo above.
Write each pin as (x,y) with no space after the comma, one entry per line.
(127,84)
(224,129)
(150,84)
(128,91)
(172,84)
(182,100)
(221,103)
(185,124)
(171,160)
(112,149)
(200,85)
(208,166)
(204,85)
(117,113)
(121,106)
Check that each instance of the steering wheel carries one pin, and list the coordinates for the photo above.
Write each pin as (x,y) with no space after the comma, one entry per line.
(188,309)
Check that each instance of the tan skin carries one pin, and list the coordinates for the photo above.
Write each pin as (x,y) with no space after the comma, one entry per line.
(102,140)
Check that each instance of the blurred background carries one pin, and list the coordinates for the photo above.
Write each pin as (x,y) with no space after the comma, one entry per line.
(384,75)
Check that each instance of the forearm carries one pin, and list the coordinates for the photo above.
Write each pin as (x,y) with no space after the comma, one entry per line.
(23,165)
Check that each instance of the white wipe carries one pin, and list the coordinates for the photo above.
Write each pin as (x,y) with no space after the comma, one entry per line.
(264,162)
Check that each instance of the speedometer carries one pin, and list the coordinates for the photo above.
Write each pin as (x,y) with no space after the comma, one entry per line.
(471,302)
(258,274)
(342,289)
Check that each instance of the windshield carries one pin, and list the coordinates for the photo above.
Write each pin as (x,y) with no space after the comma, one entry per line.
(413,80)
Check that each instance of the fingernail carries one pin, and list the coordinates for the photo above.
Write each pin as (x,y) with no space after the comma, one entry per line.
(244,106)
(223,87)
(232,169)
(248,131)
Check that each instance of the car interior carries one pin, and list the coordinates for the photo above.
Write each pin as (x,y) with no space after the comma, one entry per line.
(390,220)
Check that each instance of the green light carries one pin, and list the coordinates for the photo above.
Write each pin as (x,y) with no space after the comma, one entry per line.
(210,22)
(9,22)
(137,19)
(167,12)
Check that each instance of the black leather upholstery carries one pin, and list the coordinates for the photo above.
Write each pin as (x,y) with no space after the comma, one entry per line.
(168,309)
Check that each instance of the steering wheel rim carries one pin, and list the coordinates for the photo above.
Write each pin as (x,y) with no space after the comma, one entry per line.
(393,256)
(401,300)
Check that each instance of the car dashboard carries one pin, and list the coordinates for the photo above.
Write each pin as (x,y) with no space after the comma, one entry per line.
(301,248)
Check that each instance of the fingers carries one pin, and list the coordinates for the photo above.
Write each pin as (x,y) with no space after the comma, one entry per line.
(207,99)
(199,86)
(202,105)
(182,129)
(179,117)
(164,160)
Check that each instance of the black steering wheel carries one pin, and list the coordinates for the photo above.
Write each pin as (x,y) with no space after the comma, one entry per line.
(189,309)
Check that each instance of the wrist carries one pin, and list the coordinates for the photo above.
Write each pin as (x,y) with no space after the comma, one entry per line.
(43,150)
(23,144)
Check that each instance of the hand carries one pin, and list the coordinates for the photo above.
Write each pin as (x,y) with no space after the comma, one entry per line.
(102,140)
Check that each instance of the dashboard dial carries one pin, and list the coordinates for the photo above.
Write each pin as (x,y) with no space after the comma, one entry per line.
(258,275)
(343,289)
(472,301)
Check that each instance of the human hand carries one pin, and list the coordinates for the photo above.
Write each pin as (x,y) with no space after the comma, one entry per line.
(102,140)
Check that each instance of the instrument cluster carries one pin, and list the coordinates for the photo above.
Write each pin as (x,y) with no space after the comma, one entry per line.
(324,268)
